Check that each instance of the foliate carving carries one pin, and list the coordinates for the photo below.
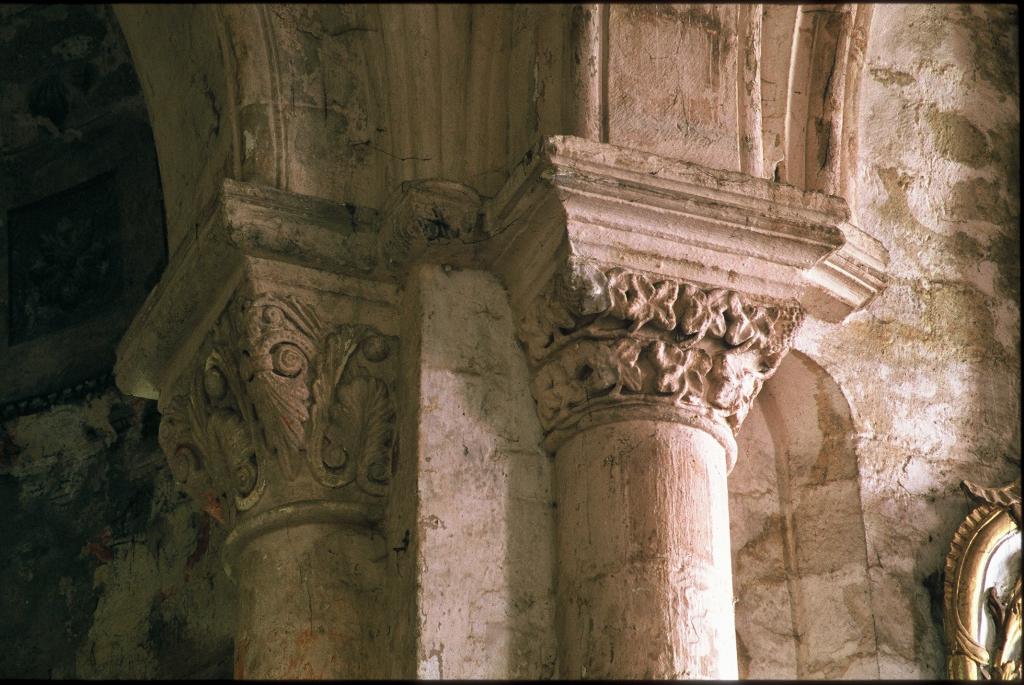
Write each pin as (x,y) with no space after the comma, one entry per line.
(279,394)
(352,427)
(601,337)
(426,215)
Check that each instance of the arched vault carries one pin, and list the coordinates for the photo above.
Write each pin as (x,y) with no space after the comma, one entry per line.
(346,102)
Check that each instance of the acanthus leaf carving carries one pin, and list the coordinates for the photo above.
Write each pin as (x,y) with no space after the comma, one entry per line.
(599,336)
(274,360)
(276,394)
(364,406)
(327,461)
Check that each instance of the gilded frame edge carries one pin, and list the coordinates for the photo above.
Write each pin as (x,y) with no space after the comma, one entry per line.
(995,517)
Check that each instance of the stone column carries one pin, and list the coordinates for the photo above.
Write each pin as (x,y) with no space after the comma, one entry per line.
(645,586)
(654,297)
(275,370)
(284,433)
(640,384)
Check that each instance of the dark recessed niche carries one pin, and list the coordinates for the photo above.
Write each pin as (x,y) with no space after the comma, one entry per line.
(65,259)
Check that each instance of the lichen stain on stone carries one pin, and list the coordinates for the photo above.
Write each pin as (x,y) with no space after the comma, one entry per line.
(979,199)
(763,550)
(957,314)
(1005,149)
(926,31)
(992,52)
(1004,251)
(966,247)
(742,657)
(834,460)
(956,138)
(889,77)
(894,340)
(895,208)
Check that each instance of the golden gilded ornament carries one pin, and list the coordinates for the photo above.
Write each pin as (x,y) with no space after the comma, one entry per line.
(982,608)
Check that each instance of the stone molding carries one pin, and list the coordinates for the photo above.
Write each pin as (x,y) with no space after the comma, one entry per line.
(608,344)
(568,196)
(712,228)
(250,226)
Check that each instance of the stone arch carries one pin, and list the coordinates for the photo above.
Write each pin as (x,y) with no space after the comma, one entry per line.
(811,62)
(341,102)
(281,96)
(799,556)
(177,54)
(466,88)
(347,102)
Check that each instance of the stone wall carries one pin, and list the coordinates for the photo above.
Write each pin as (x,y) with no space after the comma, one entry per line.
(485,609)
(931,369)
(109,571)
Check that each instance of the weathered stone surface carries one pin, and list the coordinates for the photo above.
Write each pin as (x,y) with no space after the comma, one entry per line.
(644,578)
(110,571)
(278,402)
(473,470)
(796,516)
(932,368)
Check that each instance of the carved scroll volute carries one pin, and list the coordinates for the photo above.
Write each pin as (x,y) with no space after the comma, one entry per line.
(982,609)
(607,337)
(278,346)
(278,394)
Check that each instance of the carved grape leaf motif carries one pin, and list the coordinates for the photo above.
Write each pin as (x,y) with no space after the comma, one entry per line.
(627,354)
(680,371)
(635,298)
(596,335)
(554,391)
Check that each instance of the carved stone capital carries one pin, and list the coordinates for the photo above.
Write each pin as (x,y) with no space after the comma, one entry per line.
(719,229)
(269,343)
(252,234)
(281,408)
(610,344)
(648,287)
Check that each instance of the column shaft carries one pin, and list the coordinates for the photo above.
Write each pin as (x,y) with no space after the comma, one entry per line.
(645,577)
(309,597)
